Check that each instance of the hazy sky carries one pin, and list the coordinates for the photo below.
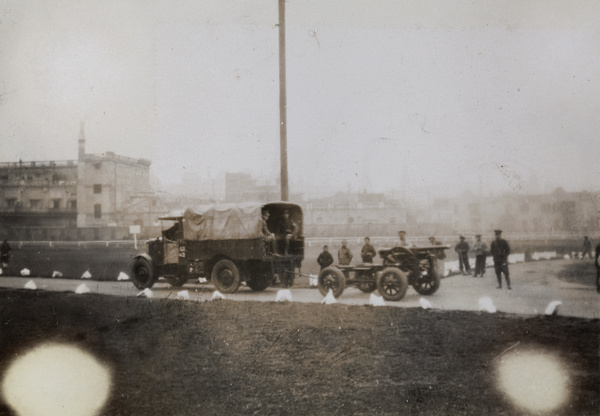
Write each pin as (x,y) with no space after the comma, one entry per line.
(435,95)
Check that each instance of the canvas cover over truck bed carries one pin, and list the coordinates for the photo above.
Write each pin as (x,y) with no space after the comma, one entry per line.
(222,222)
(227,221)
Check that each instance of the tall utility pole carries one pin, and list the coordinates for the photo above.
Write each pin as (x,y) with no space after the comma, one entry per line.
(282,104)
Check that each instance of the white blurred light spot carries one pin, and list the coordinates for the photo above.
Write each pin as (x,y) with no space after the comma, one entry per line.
(56,379)
(535,381)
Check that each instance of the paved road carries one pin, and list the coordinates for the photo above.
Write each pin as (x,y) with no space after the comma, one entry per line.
(535,285)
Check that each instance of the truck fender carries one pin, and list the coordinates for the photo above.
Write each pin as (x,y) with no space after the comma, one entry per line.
(144,255)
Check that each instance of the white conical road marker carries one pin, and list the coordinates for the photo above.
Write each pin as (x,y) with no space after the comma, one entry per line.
(183,295)
(146,293)
(329,299)
(283,296)
(375,300)
(552,308)
(123,276)
(25,272)
(30,285)
(82,288)
(486,305)
(86,275)
(217,295)
(425,304)
(56,274)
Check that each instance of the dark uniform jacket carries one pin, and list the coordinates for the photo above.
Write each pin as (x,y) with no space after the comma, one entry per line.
(344,256)
(367,253)
(325,259)
(287,226)
(462,246)
(500,250)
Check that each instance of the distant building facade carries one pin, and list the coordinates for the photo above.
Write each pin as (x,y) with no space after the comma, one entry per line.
(94,191)
(242,187)
(557,212)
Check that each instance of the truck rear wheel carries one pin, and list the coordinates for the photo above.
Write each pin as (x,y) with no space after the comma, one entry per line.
(226,276)
(141,273)
(331,278)
(392,284)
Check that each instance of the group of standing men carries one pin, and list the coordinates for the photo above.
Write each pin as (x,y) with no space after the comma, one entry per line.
(499,250)
(345,255)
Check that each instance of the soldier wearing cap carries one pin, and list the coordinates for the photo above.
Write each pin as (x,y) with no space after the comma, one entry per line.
(344,254)
(440,255)
(500,251)
(367,253)
(481,250)
(462,248)
(401,239)
(287,231)
(325,259)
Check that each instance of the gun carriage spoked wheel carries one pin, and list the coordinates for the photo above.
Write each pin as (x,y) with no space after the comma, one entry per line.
(331,278)
(142,274)
(428,281)
(392,284)
(367,287)
(366,281)
(226,276)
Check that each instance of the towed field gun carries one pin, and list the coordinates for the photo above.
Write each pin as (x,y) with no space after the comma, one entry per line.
(225,244)
(401,267)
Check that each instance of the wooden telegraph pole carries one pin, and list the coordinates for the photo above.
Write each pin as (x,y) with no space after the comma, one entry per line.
(282,104)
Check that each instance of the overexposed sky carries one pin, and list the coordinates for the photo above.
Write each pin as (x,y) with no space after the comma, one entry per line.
(415,95)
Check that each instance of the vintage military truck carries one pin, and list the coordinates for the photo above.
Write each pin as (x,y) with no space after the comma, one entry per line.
(224,243)
(401,267)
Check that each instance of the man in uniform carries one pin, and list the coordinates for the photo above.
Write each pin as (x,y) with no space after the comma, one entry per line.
(402,239)
(500,251)
(481,249)
(368,251)
(344,254)
(440,255)
(325,259)
(287,231)
(462,248)
(268,236)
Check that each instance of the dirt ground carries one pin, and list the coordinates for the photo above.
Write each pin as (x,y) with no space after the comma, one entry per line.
(171,357)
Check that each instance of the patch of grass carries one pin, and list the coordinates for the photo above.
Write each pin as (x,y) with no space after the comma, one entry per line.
(214,358)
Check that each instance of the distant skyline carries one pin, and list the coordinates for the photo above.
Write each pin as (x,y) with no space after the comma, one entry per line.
(421,96)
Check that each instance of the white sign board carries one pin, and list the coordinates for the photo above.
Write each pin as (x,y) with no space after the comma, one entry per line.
(134,229)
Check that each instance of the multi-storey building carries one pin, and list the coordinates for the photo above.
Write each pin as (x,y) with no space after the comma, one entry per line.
(94,191)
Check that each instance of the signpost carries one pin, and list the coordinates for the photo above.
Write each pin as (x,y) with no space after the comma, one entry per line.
(135,230)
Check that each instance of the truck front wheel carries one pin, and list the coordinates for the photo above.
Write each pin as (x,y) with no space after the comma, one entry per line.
(225,276)
(141,273)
